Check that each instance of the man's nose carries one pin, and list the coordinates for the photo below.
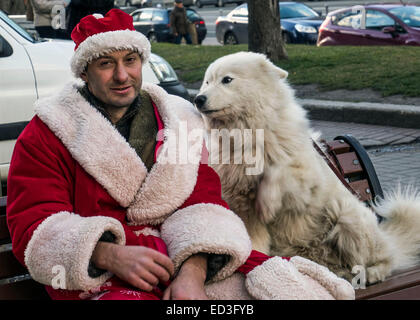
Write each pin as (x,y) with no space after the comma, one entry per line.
(200,101)
(120,73)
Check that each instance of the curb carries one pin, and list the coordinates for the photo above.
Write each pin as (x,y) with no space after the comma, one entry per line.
(394,115)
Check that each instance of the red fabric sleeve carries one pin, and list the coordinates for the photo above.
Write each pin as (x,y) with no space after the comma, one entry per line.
(255,259)
(39,183)
(207,189)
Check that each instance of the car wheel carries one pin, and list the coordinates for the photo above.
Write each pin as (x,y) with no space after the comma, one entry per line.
(152,37)
(198,4)
(230,38)
(286,38)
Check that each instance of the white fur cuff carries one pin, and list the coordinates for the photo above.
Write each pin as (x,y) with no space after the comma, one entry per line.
(61,248)
(279,279)
(207,228)
(338,287)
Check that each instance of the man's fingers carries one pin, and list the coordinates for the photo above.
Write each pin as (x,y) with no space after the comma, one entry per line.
(165,262)
(141,284)
(149,278)
(160,272)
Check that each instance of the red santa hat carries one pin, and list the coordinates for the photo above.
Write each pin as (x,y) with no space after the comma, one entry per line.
(96,35)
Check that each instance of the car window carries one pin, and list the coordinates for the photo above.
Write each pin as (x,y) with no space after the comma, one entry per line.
(347,19)
(16,27)
(377,20)
(160,16)
(192,15)
(5,48)
(241,11)
(410,15)
(296,10)
(146,16)
(136,17)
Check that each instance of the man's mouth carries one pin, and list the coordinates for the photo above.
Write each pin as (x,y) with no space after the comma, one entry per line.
(121,90)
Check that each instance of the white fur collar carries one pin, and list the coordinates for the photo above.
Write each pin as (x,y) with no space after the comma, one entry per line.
(98,147)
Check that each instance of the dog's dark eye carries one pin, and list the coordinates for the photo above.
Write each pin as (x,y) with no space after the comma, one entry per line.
(226,80)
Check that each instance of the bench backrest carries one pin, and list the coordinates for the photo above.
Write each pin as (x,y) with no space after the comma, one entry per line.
(15,282)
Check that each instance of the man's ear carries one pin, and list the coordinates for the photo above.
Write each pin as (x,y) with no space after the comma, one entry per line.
(84,76)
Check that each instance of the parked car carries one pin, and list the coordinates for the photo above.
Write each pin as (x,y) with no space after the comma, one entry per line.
(154,24)
(386,24)
(32,69)
(217,3)
(299,24)
(130,3)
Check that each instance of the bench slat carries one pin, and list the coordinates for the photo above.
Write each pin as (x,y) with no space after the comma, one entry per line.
(397,282)
(349,163)
(10,266)
(338,146)
(4,231)
(362,188)
(3,201)
(23,290)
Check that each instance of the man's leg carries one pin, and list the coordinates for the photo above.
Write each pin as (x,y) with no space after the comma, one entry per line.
(45,32)
(188,38)
(178,39)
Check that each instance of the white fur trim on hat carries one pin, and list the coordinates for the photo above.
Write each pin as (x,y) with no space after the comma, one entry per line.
(102,43)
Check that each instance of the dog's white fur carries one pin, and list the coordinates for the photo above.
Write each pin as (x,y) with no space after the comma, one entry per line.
(297,206)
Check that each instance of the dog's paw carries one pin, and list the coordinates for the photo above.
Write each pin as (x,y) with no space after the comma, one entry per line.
(376,274)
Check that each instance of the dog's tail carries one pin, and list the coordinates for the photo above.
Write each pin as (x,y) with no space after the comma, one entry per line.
(401,225)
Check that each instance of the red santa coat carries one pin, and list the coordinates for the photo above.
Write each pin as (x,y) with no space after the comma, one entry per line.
(73,176)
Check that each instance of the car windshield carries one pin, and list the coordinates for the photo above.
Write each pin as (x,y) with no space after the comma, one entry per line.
(287,11)
(296,10)
(410,15)
(16,27)
(192,15)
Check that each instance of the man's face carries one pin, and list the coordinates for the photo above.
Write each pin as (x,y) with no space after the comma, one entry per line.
(115,78)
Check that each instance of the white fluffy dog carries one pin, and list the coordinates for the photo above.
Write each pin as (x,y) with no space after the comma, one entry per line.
(295,205)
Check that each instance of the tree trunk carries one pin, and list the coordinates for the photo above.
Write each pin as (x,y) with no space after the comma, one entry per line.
(264,31)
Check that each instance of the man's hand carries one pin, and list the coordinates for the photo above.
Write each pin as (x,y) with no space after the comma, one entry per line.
(189,283)
(140,266)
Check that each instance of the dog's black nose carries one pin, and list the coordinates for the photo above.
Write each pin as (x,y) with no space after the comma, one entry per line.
(200,101)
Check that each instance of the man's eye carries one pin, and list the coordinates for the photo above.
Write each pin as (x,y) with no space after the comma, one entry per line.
(104,63)
(226,80)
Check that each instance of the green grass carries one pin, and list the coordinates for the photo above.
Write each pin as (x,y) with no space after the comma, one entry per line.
(389,70)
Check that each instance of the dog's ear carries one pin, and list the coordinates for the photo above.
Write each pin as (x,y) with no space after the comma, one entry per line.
(282,73)
(273,69)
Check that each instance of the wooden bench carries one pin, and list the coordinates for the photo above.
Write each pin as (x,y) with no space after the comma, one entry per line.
(15,282)
(353,164)
(350,161)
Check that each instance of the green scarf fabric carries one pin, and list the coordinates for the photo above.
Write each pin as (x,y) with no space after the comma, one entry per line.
(143,131)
